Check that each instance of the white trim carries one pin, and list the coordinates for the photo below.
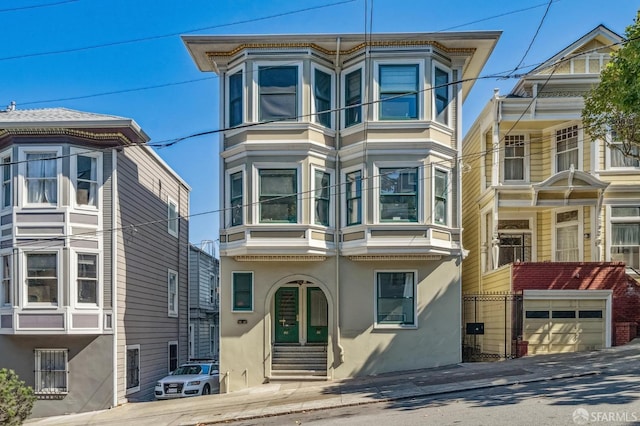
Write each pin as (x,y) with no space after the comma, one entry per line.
(55,151)
(332,192)
(532,217)
(420,190)
(228,212)
(343,77)
(343,194)
(256,192)
(8,153)
(420,113)
(114,275)
(377,325)
(526,177)
(432,93)
(169,344)
(23,288)
(171,202)
(555,226)
(554,144)
(128,391)
(227,111)
(233,293)
(256,87)
(332,104)
(73,171)
(617,220)
(74,277)
(172,312)
(606,295)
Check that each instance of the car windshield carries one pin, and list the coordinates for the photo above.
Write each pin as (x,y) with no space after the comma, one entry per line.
(191,369)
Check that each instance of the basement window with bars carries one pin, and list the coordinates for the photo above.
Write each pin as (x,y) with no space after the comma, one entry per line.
(51,371)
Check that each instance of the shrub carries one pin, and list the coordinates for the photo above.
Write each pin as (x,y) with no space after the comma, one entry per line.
(16,398)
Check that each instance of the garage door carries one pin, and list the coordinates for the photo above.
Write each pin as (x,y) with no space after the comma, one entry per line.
(554,326)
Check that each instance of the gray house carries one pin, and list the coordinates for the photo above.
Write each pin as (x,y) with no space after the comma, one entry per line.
(204,332)
(94,252)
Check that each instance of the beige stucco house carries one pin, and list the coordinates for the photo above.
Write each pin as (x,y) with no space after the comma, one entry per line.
(549,215)
(340,241)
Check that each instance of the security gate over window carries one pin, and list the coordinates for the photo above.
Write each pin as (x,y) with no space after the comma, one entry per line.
(492,326)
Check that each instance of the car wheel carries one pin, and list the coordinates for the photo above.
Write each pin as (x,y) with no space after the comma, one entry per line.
(206,390)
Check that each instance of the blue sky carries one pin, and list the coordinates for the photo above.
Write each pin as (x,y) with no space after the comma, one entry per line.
(85,48)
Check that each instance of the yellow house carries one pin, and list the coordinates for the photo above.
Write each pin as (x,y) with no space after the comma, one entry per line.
(340,242)
(548,215)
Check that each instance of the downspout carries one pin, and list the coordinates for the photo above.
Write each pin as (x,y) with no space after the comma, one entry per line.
(114,272)
(459,197)
(495,176)
(337,218)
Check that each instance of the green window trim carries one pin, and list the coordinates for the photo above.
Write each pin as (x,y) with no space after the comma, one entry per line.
(242,291)
(395,299)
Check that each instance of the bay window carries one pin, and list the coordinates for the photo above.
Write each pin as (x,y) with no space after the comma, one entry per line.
(398,92)
(6,290)
(236,198)
(441,197)
(399,194)
(235,83)
(278,198)
(6,182)
(278,93)
(625,235)
(442,97)
(42,278)
(322,193)
(395,298)
(86,180)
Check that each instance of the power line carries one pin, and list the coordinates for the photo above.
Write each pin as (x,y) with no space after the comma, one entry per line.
(149,38)
(534,37)
(37,6)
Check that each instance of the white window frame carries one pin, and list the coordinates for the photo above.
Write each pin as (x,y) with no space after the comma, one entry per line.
(363,195)
(343,95)
(376,324)
(233,292)
(25,286)
(133,389)
(376,88)
(73,170)
(76,277)
(554,145)
(531,218)
(256,193)
(618,220)
(228,74)
(169,344)
(228,214)
(434,113)
(525,160)
(54,151)
(554,242)
(256,87)
(6,184)
(38,352)
(420,190)
(312,199)
(6,282)
(173,225)
(172,312)
(314,113)
(449,195)
(608,145)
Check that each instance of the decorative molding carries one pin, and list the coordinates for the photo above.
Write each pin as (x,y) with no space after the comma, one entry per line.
(58,131)
(365,258)
(279,258)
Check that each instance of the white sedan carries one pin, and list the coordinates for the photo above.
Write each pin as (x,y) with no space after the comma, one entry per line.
(191,379)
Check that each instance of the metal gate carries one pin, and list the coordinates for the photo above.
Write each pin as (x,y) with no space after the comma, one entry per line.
(492,326)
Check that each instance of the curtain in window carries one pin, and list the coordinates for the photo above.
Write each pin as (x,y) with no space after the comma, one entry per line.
(398,87)
(278,199)
(51,374)
(322,185)
(567,244)
(87,180)
(42,178)
(395,298)
(278,88)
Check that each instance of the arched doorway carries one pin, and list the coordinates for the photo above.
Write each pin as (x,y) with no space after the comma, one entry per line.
(301,314)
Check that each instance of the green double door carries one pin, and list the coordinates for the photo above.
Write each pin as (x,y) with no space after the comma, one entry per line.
(287,312)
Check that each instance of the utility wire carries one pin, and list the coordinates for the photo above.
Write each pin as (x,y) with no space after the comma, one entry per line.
(37,6)
(533,39)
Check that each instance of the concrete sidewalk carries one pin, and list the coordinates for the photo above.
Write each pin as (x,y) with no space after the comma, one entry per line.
(273,399)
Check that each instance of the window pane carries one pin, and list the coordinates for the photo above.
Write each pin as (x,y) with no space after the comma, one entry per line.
(353,98)
(441,196)
(173,357)
(590,314)
(441,84)
(133,369)
(278,196)
(323,187)
(6,281)
(42,278)
(398,92)
(514,157)
(278,93)
(242,291)
(236,199)
(87,278)
(323,97)
(42,182)
(235,99)
(6,182)
(172,214)
(567,148)
(563,314)
(537,314)
(625,211)
(51,371)
(353,192)
(395,293)
(398,194)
